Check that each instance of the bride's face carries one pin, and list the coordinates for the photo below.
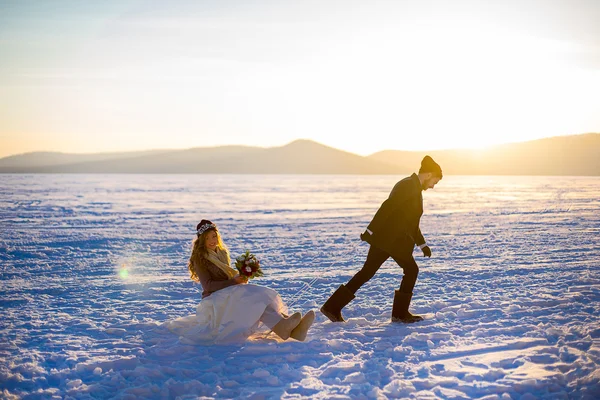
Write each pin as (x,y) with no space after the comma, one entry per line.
(211,240)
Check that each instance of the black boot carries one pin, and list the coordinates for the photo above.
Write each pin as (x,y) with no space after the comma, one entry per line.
(400,311)
(332,308)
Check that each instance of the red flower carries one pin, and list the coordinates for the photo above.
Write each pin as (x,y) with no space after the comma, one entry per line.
(248,265)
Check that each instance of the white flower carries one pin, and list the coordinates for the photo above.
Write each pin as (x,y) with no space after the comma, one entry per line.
(248,269)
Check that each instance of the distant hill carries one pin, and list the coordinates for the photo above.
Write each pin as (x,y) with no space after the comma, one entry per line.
(563,155)
(298,157)
(45,158)
(576,155)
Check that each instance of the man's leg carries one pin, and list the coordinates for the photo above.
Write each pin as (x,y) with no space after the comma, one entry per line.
(411,271)
(375,259)
(332,308)
(403,296)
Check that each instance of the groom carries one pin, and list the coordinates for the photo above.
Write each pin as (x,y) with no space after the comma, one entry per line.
(393,232)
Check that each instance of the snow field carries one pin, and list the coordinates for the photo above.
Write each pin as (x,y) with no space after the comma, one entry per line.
(92,265)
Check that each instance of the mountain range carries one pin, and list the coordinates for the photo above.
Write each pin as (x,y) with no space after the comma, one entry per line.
(562,155)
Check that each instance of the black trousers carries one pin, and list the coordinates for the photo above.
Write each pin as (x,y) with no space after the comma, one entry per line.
(376,258)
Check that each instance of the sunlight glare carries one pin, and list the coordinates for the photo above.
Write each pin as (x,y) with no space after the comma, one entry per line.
(124,272)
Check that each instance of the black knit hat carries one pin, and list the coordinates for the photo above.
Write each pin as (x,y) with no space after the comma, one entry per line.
(204,226)
(428,165)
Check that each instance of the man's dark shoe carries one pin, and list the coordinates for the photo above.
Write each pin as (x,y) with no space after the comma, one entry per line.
(408,319)
(400,311)
(332,308)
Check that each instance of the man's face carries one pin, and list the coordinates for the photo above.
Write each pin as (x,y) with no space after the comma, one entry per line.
(430,182)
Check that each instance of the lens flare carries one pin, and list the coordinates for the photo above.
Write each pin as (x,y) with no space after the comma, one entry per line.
(123,273)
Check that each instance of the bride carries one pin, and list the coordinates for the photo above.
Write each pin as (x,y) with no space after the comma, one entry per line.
(231,309)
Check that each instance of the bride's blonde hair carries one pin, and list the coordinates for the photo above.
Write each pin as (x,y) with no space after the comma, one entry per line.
(200,252)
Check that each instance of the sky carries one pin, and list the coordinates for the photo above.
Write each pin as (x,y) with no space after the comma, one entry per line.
(361,76)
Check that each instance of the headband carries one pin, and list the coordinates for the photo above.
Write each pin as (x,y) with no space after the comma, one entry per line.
(206,227)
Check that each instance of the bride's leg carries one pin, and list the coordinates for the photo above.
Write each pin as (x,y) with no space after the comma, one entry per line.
(299,332)
(280,325)
(270,317)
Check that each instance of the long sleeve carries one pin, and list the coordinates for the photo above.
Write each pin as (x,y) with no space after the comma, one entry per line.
(419,240)
(397,220)
(211,283)
(403,198)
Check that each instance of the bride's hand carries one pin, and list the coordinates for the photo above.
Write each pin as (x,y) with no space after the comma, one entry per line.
(240,279)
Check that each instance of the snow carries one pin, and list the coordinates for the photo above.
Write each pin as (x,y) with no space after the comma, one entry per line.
(93,265)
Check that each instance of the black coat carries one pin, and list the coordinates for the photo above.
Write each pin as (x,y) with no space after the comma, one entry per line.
(395,226)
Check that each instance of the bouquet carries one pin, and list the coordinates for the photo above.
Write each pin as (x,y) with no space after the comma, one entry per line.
(248,265)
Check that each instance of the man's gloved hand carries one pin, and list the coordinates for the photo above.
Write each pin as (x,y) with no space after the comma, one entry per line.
(426,251)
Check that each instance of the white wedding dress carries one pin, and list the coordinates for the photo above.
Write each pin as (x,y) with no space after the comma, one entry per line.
(229,315)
